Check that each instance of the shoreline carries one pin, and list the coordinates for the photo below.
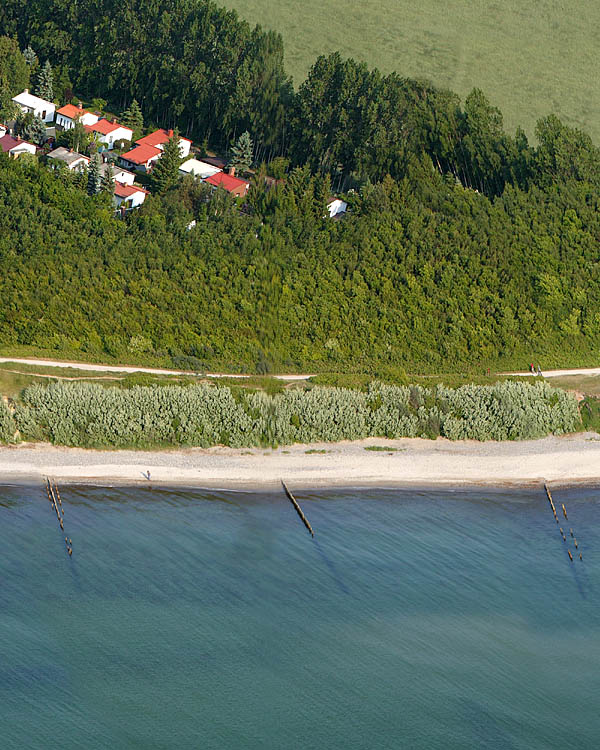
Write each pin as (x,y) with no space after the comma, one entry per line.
(569,460)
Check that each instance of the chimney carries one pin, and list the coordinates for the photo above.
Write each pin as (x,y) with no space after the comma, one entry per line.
(80,105)
(232,171)
(114,120)
(170,133)
(26,91)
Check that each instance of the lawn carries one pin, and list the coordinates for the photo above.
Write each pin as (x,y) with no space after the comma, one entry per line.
(529,58)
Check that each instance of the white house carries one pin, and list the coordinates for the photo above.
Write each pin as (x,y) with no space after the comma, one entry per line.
(67,115)
(119,174)
(336,207)
(30,103)
(3,130)
(198,168)
(109,132)
(159,138)
(15,147)
(128,196)
(140,158)
(71,159)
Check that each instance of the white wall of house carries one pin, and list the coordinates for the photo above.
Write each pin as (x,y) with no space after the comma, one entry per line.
(2,131)
(139,167)
(120,134)
(40,107)
(22,148)
(87,118)
(122,175)
(133,201)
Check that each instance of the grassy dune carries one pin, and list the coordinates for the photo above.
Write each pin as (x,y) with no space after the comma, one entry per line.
(529,58)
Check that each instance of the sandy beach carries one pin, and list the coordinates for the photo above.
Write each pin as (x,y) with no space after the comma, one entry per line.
(564,460)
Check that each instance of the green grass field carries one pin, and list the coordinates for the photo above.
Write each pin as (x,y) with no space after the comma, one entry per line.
(529,58)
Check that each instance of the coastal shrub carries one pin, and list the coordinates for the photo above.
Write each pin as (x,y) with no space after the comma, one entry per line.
(90,415)
(7,424)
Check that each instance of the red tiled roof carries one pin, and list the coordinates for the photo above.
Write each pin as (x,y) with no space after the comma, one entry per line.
(141,154)
(104,126)
(227,181)
(71,111)
(159,137)
(7,142)
(124,191)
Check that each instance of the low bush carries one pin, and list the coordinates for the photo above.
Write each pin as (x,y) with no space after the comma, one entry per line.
(89,415)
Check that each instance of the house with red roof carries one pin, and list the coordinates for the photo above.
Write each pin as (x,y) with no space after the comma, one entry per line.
(16,147)
(159,138)
(109,133)
(140,158)
(128,196)
(67,115)
(234,185)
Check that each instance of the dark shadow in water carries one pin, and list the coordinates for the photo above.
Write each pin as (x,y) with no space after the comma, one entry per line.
(332,569)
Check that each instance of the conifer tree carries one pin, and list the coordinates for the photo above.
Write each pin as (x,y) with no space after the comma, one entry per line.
(242,152)
(107,184)
(44,87)
(35,131)
(165,173)
(134,119)
(30,57)
(94,182)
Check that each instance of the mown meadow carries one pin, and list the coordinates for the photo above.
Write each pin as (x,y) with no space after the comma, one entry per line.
(530,58)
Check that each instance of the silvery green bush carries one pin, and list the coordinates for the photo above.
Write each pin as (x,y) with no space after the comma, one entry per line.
(89,415)
(7,424)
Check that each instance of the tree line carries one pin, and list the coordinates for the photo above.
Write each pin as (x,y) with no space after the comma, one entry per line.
(198,67)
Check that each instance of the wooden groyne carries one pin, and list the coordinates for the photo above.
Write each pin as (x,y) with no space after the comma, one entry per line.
(562,533)
(56,503)
(294,502)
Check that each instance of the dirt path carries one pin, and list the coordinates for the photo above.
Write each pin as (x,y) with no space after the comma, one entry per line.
(132,368)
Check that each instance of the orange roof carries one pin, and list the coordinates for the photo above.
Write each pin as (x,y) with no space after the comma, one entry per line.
(226,181)
(124,191)
(71,111)
(159,137)
(104,126)
(141,154)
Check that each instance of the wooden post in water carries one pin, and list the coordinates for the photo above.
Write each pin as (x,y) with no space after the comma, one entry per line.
(564,511)
(294,502)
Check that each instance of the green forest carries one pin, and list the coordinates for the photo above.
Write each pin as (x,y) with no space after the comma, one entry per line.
(465,247)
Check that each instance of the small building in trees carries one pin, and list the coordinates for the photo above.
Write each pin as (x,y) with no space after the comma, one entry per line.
(118,173)
(71,159)
(3,130)
(109,133)
(197,168)
(16,147)
(336,208)
(128,196)
(140,158)
(67,115)
(38,107)
(159,138)
(234,185)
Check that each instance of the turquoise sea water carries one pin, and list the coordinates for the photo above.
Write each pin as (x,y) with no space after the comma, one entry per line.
(202,619)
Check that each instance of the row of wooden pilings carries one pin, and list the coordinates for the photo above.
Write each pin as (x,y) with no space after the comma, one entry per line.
(562,533)
(57,506)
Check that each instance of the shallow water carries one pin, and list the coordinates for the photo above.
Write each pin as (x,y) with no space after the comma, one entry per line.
(210,619)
